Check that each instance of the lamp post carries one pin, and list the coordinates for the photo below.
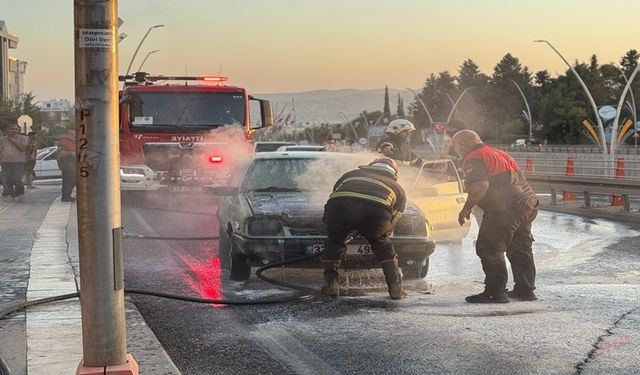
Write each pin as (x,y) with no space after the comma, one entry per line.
(415,94)
(138,48)
(351,125)
(146,57)
(526,103)
(588,93)
(614,129)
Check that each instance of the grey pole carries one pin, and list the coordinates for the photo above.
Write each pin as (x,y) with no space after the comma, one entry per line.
(415,94)
(146,57)
(98,183)
(614,129)
(355,133)
(603,138)
(140,45)
(526,103)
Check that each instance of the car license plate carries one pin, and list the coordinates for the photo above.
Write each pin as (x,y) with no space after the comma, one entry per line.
(362,249)
(185,189)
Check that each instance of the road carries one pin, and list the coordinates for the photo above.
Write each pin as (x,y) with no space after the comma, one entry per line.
(587,320)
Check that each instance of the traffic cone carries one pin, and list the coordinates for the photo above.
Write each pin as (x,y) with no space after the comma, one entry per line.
(529,167)
(617,200)
(569,171)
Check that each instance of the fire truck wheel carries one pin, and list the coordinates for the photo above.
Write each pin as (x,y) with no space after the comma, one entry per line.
(239,267)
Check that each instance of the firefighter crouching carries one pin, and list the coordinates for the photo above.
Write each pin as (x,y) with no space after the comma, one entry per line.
(395,144)
(369,200)
(496,184)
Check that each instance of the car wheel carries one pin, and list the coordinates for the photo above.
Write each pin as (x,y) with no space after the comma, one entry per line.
(416,272)
(239,267)
(224,246)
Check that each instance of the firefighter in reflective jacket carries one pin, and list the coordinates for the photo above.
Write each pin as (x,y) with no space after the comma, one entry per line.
(496,184)
(395,144)
(369,200)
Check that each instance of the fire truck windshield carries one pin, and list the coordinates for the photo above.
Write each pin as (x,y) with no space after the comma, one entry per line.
(166,111)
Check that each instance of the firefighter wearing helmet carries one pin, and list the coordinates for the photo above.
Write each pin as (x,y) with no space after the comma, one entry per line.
(368,200)
(395,144)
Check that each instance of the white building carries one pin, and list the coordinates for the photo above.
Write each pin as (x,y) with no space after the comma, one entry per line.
(57,109)
(11,70)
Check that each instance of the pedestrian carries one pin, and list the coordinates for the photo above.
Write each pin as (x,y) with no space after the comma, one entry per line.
(495,183)
(12,157)
(369,200)
(30,163)
(397,136)
(67,164)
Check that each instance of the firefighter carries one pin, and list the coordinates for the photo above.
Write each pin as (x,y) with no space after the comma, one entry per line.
(369,200)
(395,144)
(496,184)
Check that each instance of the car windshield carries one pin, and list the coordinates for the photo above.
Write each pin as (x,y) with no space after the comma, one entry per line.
(297,174)
(166,111)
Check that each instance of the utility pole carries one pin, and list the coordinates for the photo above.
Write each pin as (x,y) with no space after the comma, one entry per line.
(98,187)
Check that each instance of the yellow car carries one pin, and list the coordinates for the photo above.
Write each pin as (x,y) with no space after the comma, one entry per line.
(437,189)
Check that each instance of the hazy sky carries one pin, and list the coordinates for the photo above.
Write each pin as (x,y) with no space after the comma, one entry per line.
(296,45)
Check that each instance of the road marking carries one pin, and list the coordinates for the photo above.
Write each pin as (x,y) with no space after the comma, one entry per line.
(275,340)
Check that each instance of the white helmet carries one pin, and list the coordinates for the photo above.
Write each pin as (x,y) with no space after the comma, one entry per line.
(398,125)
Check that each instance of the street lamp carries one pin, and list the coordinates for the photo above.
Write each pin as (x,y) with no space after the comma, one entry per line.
(140,45)
(526,103)
(422,104)
(351,125)
(146,57)
(586,90)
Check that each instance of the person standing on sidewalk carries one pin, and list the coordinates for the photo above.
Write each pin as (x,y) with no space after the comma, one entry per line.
(67,164)
(12,157)
(496,184)
(30,155)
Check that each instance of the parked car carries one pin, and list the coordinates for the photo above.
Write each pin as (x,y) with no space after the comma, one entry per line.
(301,148)
(263,146)
(530,144)
(273,211)
(46,164)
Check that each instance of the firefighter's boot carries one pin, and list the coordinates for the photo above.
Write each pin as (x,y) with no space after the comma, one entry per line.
(394,279)
(331,285)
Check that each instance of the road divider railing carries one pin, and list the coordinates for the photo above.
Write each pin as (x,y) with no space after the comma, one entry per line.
(625,189)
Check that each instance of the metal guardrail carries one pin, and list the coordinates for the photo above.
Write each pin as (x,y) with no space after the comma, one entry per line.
(624,170)
(588,186)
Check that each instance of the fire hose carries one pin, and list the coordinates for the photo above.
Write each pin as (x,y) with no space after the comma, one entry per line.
(305,293)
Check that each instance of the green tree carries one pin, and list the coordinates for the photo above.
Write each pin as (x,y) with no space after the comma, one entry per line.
(400,108)
(387,107)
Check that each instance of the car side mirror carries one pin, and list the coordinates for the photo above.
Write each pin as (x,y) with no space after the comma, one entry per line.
(225,191)
(266,113)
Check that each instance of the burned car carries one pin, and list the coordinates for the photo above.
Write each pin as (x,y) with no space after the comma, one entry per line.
(273,212)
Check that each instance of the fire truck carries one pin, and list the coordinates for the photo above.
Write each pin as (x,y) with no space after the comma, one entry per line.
(182,134)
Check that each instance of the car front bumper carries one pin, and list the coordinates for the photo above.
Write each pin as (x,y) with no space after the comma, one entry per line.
(412,251)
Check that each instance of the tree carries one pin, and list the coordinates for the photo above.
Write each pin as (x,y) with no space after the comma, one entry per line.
(387,108)
(400,109)
(629,61)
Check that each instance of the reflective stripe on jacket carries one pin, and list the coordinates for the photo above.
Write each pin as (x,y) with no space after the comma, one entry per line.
(372,185)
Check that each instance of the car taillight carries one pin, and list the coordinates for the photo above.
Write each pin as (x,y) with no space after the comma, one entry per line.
(215,159)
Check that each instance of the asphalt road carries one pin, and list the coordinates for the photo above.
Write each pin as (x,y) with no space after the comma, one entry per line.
(587,320)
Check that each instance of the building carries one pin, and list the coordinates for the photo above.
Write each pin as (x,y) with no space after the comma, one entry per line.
(56,110)
(12,70)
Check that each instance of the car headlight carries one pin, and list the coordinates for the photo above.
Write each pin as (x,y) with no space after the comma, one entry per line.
(261,227)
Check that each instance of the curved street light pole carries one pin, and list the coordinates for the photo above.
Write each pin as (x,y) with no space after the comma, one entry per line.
(140,45)
(591,100)
(146,57)
(614,128)
(351,125)
(422,104)
(526,103)
(633,99)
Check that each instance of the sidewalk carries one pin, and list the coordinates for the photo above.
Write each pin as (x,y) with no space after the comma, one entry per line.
(39,258)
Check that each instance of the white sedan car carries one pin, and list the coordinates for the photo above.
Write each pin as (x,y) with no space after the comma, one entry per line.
(46,164)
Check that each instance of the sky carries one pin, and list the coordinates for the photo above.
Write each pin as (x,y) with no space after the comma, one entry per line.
(271,46)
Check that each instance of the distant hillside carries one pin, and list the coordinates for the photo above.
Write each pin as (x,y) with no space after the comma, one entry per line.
(325,105)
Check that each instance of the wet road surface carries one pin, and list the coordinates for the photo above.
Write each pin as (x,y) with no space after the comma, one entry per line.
(586,321)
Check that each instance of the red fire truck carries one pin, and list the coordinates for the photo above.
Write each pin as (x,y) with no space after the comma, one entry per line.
(184,133)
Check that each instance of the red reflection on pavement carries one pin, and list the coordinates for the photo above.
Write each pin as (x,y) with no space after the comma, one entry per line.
(205,277)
